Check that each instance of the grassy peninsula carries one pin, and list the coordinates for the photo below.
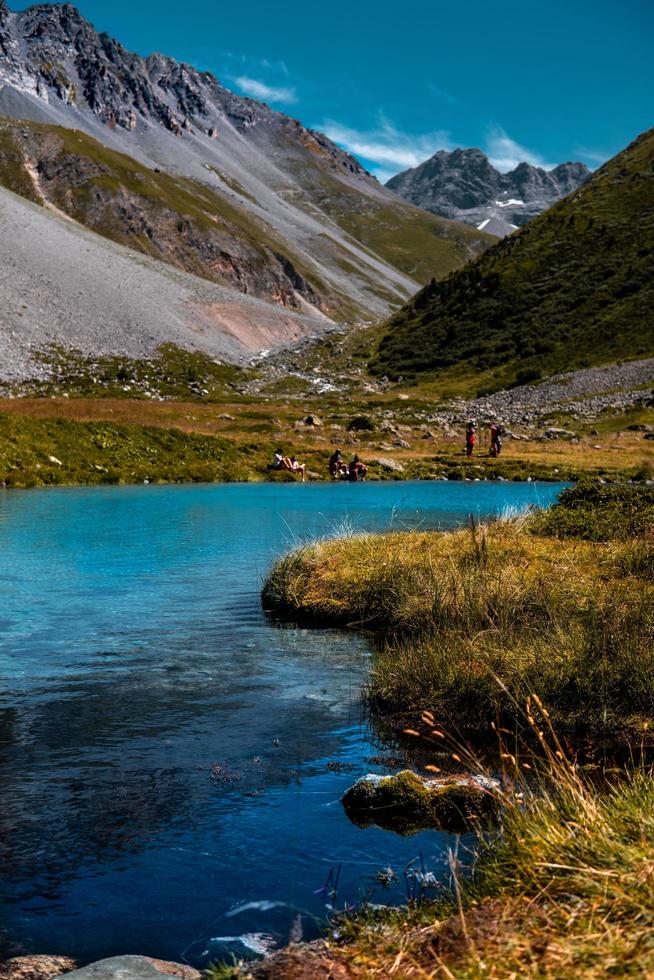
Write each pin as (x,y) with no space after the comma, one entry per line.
(559,604)
(539,633)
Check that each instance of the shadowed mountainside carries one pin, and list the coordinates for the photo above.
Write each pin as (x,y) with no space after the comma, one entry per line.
(570,290)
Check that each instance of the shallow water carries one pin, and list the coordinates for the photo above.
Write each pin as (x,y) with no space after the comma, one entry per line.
(164,746)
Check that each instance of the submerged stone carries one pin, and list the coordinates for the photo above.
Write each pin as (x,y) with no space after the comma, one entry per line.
(134,968)
(35,967)
(407,803)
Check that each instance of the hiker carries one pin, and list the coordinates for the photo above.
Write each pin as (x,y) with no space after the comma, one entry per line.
(357,470)
(289,463)
(495,440)
(337,466)
(471,437)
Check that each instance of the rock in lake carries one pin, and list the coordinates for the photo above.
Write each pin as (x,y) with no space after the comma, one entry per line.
(35,967)
(133,968)
(407,803)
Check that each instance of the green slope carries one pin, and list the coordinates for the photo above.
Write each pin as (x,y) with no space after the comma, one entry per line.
(572,289)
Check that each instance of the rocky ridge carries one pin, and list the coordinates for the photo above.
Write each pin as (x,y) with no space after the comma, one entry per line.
(465,186)
(281,184)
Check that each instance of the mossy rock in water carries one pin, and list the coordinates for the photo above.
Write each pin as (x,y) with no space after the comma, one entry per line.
(407,803)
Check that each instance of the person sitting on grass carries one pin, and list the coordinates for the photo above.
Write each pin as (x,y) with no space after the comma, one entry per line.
(297,467)
(290,463)
(357,470)
(337,466)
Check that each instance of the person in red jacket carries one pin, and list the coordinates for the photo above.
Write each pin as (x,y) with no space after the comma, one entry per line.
(471,438)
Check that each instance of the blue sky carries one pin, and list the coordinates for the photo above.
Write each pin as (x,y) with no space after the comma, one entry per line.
(394,82)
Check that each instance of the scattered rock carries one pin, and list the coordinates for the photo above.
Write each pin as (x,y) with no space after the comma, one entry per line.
(640,427)
(313,420)
(407,803)
(428,434)
(386,446)
(35,967)
(391,465)
(361,423)
(554,433)
(57,462)
(401,443)
(230,418)
(649,435)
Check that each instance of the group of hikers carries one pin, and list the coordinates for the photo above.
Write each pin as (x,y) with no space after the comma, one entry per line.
(356,471)
(496,433)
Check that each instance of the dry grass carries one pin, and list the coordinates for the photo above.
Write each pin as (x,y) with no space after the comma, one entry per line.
(472,622)
(563,888)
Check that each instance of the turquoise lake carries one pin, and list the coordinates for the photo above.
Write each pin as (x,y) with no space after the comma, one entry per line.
(172,759)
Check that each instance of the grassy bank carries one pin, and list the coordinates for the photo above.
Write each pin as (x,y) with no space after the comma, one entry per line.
(533,631)
(473,622)
(563,889)
(36,452)
(240,433)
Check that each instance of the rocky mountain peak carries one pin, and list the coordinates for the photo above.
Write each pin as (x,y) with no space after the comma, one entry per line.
(464,185)
(53,52)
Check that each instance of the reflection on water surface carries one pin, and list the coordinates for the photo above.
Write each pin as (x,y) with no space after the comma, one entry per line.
(164,747)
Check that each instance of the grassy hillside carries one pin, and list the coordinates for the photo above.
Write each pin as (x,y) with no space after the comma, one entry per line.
(572,289)
(418,243)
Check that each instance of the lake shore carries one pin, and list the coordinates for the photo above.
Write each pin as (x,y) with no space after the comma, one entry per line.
(541,631)
(94,441)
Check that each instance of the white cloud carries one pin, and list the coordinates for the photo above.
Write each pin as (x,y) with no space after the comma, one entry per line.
(257,89)
(505,154)
(593,158)
(386,149)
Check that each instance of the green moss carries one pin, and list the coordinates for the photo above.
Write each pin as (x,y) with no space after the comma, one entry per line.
(594,512)
(407,804)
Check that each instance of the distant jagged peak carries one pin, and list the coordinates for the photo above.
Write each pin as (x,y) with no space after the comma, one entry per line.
(463,184)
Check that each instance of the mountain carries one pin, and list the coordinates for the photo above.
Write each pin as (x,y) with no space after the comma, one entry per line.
(162,158)
(465,186)
(573,288)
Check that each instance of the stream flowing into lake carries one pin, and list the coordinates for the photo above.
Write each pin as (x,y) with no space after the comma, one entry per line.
(171,759)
